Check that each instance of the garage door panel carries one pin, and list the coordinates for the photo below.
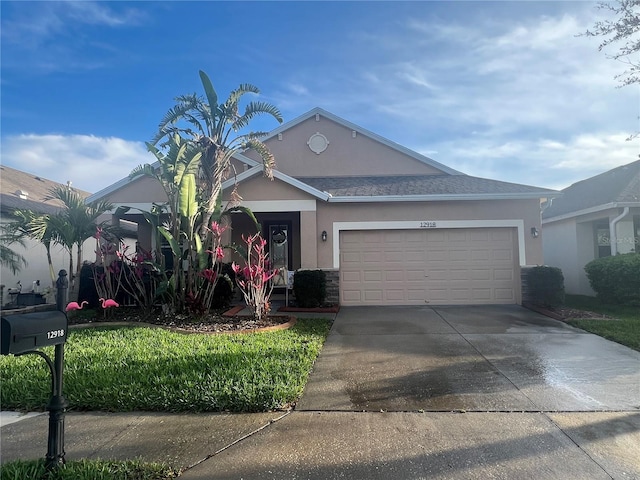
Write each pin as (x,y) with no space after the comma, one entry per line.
(371,295)
(502,274)
(502,254)
(505,294)
(395,295)
(483,275)
(481,294)
(454,266)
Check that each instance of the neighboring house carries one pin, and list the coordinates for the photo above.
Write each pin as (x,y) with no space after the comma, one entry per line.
(390,226)
(25,191)
(594,218)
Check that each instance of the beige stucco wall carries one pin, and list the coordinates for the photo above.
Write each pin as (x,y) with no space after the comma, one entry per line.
(139,190)
(570,244)
(260,188)
(344,156)
(563,249)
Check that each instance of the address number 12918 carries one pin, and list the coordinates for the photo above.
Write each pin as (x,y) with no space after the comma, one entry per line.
(428,225)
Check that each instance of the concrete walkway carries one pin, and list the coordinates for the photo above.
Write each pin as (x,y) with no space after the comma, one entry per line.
(408,393)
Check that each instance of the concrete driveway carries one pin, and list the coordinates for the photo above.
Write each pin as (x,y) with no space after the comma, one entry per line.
(480,358)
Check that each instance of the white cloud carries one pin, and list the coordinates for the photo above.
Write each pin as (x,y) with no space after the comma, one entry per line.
(48,37)
(90,163)
(33,25)
(548,163)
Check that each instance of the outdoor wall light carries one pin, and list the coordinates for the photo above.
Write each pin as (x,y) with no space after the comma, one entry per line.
(324,235)
(534,232)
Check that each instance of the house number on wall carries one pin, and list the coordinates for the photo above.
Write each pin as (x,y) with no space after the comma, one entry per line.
(428,225)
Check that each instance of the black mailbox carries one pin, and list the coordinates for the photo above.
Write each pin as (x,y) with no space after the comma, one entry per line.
(29,331)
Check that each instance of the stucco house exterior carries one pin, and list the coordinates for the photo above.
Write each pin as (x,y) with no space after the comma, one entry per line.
(25,191)
(594,218)
(388,225)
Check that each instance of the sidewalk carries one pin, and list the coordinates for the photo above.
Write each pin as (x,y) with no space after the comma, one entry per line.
(355,445)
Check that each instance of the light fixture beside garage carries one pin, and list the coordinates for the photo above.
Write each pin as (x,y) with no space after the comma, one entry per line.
(534,232)
(324,236)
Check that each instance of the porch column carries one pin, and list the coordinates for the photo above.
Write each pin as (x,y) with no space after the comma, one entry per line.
(308,240)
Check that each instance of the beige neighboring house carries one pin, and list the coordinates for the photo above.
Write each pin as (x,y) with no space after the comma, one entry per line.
(594,218)
(21,191)
(388,225)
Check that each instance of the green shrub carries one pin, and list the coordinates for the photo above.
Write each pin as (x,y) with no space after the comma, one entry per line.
(546,286)
(616,279)
(310,288)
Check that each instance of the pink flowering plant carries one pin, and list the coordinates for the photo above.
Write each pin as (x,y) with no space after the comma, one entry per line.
(119,271)
(254,278)
(200,297)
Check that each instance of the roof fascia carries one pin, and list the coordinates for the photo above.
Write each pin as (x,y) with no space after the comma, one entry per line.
(365,132)
(442,197)
(258,169)
(587,211)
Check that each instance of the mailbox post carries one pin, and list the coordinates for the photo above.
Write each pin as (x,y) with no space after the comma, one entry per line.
(24,334)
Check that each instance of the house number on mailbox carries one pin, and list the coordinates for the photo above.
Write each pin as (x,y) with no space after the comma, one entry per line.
(55,334)
(428,225)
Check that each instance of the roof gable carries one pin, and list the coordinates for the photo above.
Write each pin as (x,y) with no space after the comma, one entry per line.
(319,143)
(617,186)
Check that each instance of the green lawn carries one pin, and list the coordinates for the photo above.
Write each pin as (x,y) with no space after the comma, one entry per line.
(625,329)
(152,369)
(87,470)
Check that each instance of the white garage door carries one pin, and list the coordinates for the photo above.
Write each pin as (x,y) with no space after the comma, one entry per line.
(432,266)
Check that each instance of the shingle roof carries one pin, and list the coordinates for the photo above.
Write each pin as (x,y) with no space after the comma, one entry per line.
(620,185)
(370,186)
(14,184)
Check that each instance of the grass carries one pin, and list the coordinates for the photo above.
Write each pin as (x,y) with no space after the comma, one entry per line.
(624,330)
(87,470)
(152,369)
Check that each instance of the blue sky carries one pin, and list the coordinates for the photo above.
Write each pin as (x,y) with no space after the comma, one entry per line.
(503,90)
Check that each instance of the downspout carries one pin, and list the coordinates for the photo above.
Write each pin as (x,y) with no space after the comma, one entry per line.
(613,234)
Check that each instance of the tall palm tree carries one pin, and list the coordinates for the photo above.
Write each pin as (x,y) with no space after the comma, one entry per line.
(77,221)
(70,227)
(215,129)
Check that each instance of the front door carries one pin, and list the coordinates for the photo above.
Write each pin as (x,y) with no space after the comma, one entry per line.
(279,246)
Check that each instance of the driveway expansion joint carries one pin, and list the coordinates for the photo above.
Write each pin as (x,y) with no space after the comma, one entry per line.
(235,442)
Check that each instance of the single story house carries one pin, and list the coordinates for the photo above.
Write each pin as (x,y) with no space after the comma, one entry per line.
(26,191)
(594,218)
(388,225)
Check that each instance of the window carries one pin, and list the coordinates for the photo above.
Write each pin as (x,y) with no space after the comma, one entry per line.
(603,238)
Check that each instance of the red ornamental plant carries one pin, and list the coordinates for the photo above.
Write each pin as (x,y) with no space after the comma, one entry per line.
(201,298)
(254,279)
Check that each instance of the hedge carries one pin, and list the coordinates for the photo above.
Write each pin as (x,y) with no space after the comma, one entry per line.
(546,286)
(616,279)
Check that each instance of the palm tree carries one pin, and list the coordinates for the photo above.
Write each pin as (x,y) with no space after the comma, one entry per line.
(30,224)
(214,128)
(176,173)
(10,258)
(70,227)
(77,221)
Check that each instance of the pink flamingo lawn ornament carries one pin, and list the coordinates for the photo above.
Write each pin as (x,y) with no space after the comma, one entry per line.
(108,303)
(75,306)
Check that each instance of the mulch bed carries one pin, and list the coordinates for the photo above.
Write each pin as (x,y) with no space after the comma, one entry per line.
(568,313)
(216,322)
